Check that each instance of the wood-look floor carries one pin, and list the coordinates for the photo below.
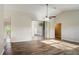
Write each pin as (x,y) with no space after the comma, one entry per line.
(42,47)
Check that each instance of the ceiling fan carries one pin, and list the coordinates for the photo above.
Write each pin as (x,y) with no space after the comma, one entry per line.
(47,18)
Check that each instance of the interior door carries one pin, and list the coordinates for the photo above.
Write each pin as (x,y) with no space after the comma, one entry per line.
(58,31)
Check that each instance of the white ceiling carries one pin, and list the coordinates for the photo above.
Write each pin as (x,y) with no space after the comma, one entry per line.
(39,10)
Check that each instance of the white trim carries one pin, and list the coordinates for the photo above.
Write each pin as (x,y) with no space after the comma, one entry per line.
(2,52)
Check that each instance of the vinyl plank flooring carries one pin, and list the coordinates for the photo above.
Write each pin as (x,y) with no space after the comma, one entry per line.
(42,47)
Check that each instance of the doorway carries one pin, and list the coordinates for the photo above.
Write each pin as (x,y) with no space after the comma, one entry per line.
(58,31)
(7,31)
(38,30)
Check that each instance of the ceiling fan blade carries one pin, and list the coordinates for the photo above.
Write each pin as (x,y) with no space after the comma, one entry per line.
(50,17)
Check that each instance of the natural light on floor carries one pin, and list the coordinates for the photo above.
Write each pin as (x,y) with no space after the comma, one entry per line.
(60,44)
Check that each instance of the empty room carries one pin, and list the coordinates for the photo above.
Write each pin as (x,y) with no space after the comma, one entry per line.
(39,29)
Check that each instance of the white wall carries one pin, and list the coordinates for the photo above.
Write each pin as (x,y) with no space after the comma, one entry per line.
(21,24)
(70,25)
(21,28)
(1,30)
